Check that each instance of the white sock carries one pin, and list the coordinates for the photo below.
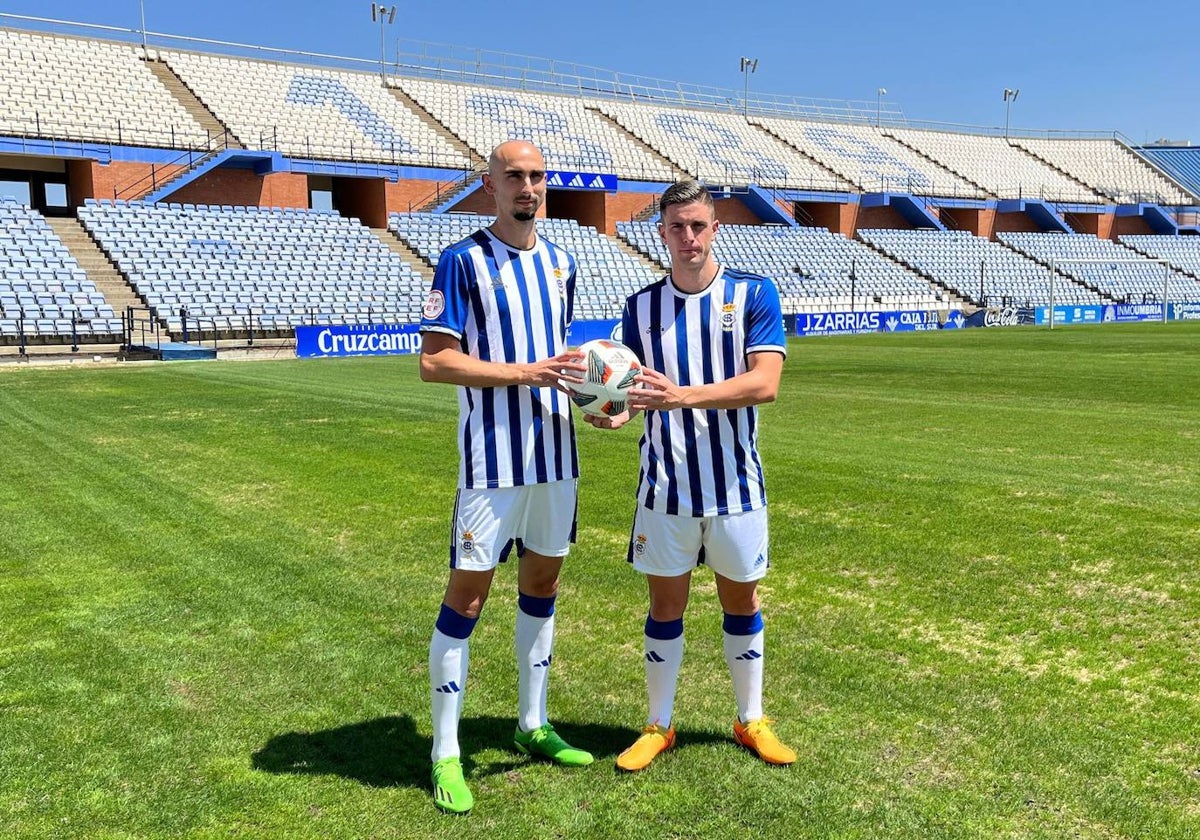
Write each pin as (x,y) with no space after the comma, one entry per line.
(448,657)
(744,655)
(664,655)
(535,650)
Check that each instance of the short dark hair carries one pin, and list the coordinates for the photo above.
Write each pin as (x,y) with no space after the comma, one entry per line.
(684,192)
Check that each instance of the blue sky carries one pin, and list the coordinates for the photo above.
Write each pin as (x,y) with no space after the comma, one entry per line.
(1099,65)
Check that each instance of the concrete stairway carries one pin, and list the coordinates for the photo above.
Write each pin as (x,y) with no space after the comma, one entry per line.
(192,103)
(100,270)
(396,245)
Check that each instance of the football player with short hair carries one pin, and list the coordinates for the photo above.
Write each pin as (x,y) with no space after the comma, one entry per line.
(712,344)
(495,324)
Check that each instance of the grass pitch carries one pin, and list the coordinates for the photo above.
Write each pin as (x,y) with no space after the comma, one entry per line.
(218,580)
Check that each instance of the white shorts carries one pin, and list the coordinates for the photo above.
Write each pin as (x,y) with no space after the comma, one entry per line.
(488,523)
(733,546)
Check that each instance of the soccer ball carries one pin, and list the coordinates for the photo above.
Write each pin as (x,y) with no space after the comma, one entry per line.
(610,373)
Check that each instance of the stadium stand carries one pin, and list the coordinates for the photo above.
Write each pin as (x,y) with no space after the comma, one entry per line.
(234,269)
(814,270)
(1183,252)
(370,146)
(986,272)
(1121,282)
(606,275)
(77,89)
(1003,170)
(1107,166)
(312,112)
(43,291)
(868,158)
(721,148)
(570,136)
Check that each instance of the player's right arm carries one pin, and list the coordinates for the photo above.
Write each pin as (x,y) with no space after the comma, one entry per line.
(443,360)
(445,316)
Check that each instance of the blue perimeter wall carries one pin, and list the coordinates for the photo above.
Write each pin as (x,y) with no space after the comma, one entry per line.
(326,341)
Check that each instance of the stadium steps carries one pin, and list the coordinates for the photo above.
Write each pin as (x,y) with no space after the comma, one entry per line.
(802,153)
(410,256)
(478,161)
(647,214)
(192,103)
(446,192)
(650,264)
(1068,175)
(679,174)
(1062,273)
(96,264)
(951,296)
(939,164)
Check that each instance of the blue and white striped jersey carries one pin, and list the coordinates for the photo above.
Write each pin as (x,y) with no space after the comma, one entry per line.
(514,306)
(703,462)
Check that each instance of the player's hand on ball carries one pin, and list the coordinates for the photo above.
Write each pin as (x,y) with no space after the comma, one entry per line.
(559,371)
(616,421)
(653,391)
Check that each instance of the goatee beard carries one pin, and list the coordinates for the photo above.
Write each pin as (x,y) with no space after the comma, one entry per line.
(524,216)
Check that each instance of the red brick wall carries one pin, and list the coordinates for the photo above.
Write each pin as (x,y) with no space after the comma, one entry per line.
(480,202)
(1015,223)
(242,187)
(1098,224)
(585,207)
(882,217)
(121,175)
(836,218)
(406,196)
(731,211)
(979,222)
(621,207)
(1130,225)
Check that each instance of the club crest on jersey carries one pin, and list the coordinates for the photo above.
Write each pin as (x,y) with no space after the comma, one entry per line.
(639,545)
(435,304)
(467,543)
(560,278)
(728,316)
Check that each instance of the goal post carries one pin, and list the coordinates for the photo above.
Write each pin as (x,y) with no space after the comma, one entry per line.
(1055,262)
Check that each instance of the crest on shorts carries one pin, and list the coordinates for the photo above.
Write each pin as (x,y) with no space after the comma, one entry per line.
(639,545)
(467,543)
(728,316)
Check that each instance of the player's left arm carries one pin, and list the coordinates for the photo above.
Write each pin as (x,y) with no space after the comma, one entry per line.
(759,384)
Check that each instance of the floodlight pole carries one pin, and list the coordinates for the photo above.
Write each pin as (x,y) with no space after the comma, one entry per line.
(749,65)
(142,7)
(879,94)
(1010,96)
(384,16)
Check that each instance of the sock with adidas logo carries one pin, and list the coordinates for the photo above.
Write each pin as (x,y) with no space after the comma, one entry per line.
(744,655)
(664,655)
(448,655)
(535,650)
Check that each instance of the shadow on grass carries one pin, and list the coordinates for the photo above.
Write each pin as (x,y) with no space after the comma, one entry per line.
(388,752)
